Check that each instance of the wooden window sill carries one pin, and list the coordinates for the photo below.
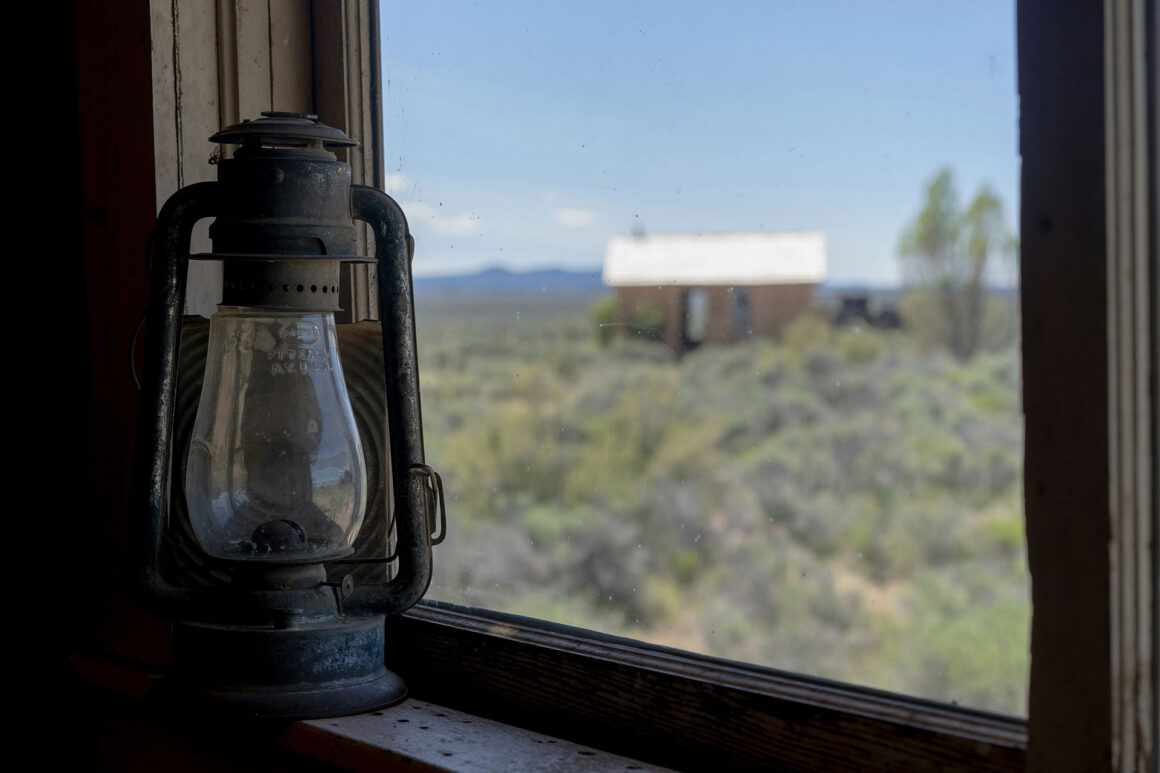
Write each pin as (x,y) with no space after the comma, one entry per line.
(494,691)
(681,709)
(421,736)
(415,736)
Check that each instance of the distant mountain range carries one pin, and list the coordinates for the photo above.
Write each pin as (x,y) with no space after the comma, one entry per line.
(588,281)
(501,280)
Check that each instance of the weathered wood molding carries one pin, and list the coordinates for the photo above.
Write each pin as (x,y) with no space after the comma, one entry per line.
(348,95)
(1132,374)
(220,63)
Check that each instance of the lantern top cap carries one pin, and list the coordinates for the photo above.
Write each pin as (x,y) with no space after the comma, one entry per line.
(284,129)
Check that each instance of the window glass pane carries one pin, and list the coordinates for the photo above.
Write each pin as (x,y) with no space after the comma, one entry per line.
(821,196)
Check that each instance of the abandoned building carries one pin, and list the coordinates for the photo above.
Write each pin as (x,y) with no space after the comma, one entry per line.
(689,289)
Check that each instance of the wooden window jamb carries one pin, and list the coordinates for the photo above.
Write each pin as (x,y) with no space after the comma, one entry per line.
(1132,388)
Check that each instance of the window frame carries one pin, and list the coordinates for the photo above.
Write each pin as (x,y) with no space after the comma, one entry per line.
(636,697)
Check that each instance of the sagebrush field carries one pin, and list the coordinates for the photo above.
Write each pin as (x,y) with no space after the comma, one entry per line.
(843,502)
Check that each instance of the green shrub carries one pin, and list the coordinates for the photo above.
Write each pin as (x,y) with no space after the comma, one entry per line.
(860,344)
(604,313)
(807,333)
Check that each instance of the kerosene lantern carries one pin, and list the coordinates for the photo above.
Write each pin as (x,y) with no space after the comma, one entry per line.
(265,493)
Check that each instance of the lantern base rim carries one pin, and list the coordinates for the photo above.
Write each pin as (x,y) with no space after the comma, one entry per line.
(336,699)
(307,671)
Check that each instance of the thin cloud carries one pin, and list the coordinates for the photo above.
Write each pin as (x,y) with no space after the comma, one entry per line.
(574,218)
(464,223)
(396,181)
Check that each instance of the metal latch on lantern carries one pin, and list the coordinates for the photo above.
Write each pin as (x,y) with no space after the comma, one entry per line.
(432,499)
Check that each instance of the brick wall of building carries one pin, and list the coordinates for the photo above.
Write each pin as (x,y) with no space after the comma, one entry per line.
(770,307)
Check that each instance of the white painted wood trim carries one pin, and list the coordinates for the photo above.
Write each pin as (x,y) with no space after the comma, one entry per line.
(1133,402)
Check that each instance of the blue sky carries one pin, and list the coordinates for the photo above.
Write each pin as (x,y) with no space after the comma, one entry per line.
(527,134)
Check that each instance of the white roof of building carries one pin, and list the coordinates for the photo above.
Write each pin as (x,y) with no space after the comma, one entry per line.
(716,259)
